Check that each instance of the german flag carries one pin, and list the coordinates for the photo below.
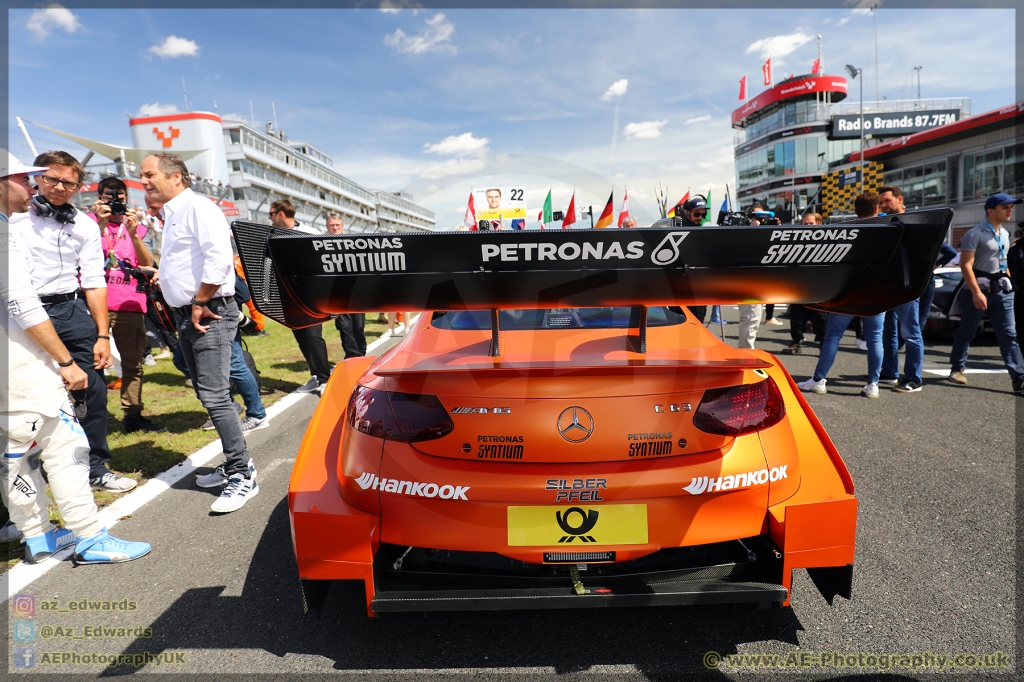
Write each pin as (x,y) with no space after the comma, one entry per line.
(606,215)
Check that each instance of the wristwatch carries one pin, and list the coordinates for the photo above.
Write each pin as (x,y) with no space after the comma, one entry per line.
(196,301)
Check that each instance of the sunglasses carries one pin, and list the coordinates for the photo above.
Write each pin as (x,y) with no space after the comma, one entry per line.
(699,214)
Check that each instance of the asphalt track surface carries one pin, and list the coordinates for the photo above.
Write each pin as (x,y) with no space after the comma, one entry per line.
(935,566)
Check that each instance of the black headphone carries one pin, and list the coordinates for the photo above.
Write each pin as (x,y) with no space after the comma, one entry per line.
(44,209)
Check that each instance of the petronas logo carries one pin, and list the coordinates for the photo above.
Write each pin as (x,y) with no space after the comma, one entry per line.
(667,251)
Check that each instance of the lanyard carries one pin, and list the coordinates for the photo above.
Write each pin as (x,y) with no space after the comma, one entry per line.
(111,243)
(999,241)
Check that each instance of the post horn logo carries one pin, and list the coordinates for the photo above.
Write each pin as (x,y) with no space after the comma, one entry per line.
(588,520)
(575,424)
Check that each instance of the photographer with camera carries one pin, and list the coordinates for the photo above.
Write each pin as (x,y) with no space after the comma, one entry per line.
(121,240)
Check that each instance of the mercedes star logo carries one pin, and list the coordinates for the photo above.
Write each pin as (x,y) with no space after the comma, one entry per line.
(575,424)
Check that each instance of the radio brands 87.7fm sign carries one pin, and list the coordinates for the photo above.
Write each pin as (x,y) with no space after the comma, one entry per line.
(892,123)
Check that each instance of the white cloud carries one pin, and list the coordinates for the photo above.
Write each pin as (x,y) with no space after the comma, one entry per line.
(436,37)
(457,167)
(173,46)
(779,46)
(842,21)
(699,119)
(157,109)
(395,6)
(459,145)
(644,129)
(617,89)
(54,16)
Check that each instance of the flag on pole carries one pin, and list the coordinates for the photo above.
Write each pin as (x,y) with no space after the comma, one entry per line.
(546,218)
(743,88)
(570,213)
(470,219)
(707,215)
(816,67)
(685,198)
(766,70)
(607,215)
(625,209)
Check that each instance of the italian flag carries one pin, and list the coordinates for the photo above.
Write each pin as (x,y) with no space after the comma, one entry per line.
(606,215)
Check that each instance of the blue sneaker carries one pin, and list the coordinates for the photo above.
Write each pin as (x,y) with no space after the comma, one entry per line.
(41,547)
(103,548)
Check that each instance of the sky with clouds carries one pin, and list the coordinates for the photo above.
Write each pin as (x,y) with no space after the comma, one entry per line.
(439,100)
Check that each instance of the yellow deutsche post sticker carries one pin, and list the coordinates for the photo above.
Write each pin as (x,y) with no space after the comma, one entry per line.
(614,524)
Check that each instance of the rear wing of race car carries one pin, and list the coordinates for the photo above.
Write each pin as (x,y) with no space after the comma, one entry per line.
(861,267)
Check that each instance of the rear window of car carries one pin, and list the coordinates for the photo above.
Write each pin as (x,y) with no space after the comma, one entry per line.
(556,318)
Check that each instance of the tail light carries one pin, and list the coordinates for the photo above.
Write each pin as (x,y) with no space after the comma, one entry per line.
(737,410)
(402,417)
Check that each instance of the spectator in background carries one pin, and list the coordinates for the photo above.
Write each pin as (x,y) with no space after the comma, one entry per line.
(351,326)
(983,262)
(65,261)
(800,314)
(629,222)
(1015,266)
(198,283)
(866,206)
(121,240)
(904,320)
(310,339)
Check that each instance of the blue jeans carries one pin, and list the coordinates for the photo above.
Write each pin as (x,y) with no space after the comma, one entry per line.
(837,325)
(240,374)
(208,358)
(906,322)
(1000,314)
(716,314)
(245,382)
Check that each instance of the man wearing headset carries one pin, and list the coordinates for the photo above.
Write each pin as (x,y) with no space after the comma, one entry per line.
(37,410)
(65,262)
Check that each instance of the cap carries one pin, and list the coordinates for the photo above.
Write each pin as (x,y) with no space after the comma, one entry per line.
(1000,199)
(9,165)
(695,203)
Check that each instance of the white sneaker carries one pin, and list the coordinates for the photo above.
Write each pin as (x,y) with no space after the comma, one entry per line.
(250,424)
(112,483)
(399,332)
(862,344)
(237,491)
(150,361)
(387,333)
(870,391)
(310,386)
(10,532)
(773,322)
(813,386)
(217,477)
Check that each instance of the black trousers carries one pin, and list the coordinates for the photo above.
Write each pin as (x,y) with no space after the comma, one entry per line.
(698,311)
(798,317)
(353,340)
(77,331)
(314,349)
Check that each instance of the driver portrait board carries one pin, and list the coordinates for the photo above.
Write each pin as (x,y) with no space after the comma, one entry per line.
(504,207)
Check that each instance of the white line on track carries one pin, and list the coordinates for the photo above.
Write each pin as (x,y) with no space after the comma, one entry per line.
(24,574)
(945,372)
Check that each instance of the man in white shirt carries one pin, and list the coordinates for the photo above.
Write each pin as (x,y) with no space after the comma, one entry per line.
(65,261)
(197,277)
(37,410)
(310,339)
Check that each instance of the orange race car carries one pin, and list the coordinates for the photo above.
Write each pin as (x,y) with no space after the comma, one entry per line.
(556,431)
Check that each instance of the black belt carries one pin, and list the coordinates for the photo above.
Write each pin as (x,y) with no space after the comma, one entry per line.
(61,298)
(185,311)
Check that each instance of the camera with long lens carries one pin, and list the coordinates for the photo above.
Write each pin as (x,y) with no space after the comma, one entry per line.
(747,217)
(117,204)
(144,279)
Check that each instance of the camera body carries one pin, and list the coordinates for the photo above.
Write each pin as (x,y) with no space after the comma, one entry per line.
(736,218)
(118,206)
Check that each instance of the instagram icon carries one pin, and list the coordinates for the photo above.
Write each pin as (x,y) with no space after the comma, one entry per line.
(23,605)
